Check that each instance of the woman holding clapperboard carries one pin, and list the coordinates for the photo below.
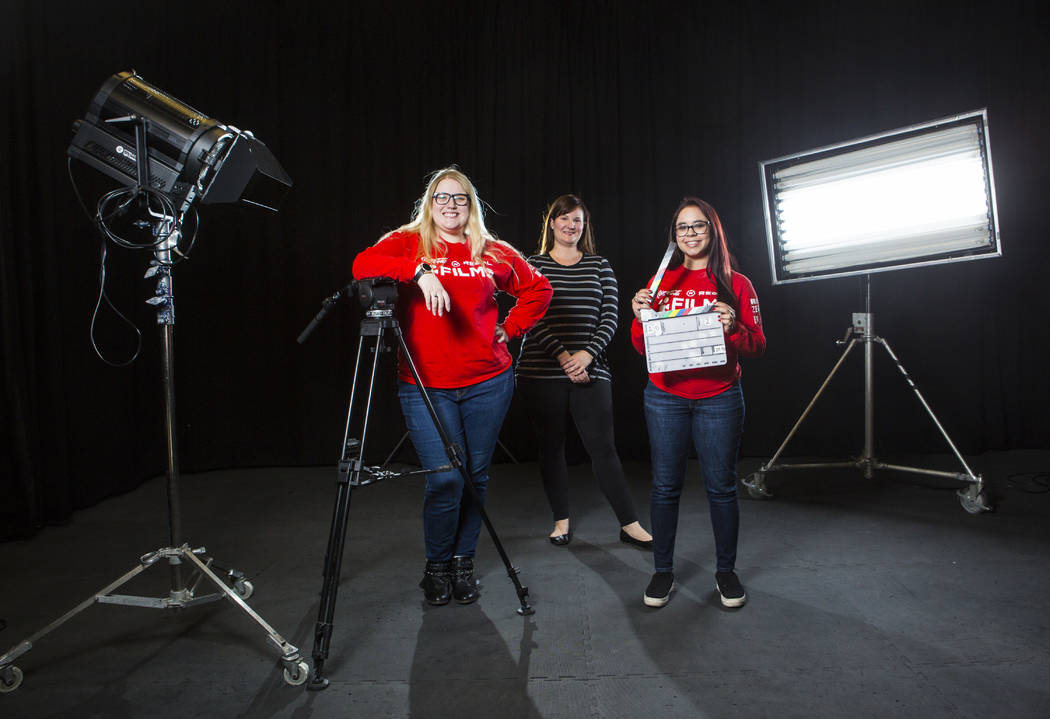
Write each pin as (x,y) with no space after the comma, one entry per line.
(704,405)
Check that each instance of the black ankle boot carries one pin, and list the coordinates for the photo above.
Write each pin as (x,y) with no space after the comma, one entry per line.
(464,586)
(436,582)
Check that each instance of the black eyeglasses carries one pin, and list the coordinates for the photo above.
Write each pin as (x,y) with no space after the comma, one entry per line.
(459,199)
(698,228)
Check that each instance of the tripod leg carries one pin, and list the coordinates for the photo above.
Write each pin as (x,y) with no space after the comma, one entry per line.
(507,452)
(330,584)
(973,499)
(393,452)
(295,669)
(809,407)
(512,571)
(350,467)
(10,673)
(456,460)
(756,482)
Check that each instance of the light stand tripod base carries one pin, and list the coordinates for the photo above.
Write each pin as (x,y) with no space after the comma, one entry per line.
(295,668)
(972,498)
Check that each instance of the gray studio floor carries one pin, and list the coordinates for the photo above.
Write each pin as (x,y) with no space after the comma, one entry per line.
(868,598)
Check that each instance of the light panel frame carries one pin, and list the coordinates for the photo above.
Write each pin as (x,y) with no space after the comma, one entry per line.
(927,244)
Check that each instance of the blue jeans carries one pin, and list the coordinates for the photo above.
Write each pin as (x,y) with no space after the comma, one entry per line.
(472,417)
(714,425)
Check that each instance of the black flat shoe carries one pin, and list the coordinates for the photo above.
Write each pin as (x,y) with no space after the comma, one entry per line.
(561,540)
(628,539)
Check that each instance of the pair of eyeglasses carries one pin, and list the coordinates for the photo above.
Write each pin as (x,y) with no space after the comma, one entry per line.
(459,199)
(698,228)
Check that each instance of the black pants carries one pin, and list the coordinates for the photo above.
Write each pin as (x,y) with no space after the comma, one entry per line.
(549,402)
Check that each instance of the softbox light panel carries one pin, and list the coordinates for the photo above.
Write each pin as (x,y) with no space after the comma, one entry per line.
(919,195)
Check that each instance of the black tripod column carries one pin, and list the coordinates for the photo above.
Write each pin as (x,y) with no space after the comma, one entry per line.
(164,302)
(167,334)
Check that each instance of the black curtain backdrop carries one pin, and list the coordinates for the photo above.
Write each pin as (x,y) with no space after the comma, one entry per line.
(630,105)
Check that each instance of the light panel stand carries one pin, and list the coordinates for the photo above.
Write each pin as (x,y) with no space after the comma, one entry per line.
(972,497)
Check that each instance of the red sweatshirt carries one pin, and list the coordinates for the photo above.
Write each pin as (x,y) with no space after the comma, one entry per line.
(682,288)
(460,347)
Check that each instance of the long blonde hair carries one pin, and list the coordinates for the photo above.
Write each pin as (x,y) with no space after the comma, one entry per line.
(481,242)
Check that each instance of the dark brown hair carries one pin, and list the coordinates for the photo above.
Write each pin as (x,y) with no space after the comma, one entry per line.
(563,206)
(719,261)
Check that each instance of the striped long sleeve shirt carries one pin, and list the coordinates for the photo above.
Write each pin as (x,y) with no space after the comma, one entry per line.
(583,315)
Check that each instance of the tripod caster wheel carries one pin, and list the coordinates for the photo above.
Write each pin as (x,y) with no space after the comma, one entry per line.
(299,676)
(10,679)
(973,501)
(756,486)
(243,588)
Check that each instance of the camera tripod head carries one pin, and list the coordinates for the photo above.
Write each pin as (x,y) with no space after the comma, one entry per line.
(377,297)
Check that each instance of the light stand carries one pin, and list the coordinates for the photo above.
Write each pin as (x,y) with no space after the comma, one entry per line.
(235,586)
(912,197)
(166,230)
(972,497)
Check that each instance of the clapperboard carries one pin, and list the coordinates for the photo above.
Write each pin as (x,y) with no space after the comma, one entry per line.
(684,338)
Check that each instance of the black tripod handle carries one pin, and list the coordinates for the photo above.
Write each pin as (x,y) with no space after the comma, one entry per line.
(326,306)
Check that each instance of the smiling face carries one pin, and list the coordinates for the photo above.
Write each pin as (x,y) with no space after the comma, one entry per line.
(568,228)
(450,218)
(694,244)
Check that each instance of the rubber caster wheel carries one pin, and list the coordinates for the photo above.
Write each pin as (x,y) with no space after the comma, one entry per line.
(974,502)
(10,679)
(244,588)
(299,676)
(756,486)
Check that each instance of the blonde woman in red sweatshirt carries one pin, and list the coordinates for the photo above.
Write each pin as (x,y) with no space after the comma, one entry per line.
(450,267)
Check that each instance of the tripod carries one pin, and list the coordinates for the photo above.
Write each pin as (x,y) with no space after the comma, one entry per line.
(404,437)
(379,320)
(972,498)
(182,593)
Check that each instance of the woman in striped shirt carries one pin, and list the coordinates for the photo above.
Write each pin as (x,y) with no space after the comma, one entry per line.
(562,368)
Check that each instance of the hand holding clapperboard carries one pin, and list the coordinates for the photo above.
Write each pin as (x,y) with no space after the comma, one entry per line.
(684,338)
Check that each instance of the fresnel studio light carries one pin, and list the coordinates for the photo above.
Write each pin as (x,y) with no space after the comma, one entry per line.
(167,158)
(142,137)
(920,195)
